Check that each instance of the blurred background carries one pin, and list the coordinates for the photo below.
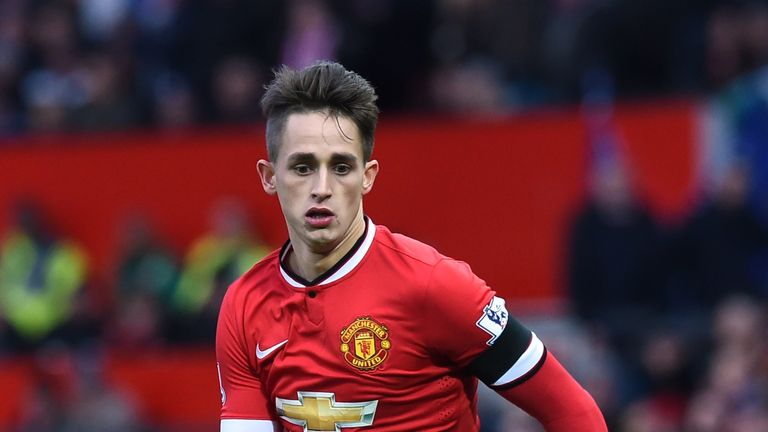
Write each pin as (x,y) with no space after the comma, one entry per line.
(603,164)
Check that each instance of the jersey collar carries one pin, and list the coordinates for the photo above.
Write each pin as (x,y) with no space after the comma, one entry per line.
(342,268)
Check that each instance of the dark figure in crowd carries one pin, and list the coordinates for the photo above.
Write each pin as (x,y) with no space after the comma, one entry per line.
(613,269)
(718,247)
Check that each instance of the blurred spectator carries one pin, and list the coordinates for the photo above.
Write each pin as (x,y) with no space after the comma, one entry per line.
(108,103)
(51,90)
(646,416)
(145,279)
(388,32)
(145,266)
(661,383)
(735,134)
(173,103)
(41,278)
(237,86)
(210,31)
(719,243)
(311,34)
(500,46)
(739,326)
(51,97)
(137,324)
(753,143)
(734,395)
(55,387)
(97,407)
(737,34)
(468,88)
(213,262)
(71,396)
(614,273)
(100,19)
(11,53)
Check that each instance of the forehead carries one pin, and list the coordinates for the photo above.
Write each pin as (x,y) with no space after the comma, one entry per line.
(319,132)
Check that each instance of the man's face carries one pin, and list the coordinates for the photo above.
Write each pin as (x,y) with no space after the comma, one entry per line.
(320,178)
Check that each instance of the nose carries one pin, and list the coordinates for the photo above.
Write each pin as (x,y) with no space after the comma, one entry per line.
(321,189)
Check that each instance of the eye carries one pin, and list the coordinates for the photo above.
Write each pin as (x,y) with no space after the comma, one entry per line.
(302,169)
(342,169)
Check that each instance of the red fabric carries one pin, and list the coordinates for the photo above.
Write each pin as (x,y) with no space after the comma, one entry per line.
(429,306)
(556,400)
(242,395)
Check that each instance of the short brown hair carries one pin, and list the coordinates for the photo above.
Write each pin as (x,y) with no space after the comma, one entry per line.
(323,86)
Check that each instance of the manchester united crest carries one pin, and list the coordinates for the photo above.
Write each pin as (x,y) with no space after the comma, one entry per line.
(365,343)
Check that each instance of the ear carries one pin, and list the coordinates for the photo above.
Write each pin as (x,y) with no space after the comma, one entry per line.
(267,176)
(369,175)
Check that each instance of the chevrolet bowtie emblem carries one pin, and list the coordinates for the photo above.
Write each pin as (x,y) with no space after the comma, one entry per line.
(319,411)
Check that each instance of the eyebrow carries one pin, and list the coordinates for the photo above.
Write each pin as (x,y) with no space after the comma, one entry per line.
(300,157)
(348,158)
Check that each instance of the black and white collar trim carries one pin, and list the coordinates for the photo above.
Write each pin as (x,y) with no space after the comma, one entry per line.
(339,270)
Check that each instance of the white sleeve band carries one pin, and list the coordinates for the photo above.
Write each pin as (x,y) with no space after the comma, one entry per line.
(237,425)
(525,363)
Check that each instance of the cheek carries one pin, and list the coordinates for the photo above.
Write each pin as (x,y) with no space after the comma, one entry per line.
(289,185)
(350,185)
(288,195)
(353,190)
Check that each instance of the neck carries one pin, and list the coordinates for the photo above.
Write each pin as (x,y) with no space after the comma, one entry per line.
(309,263)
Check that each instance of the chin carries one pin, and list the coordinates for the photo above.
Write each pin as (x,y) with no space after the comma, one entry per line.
(322,236)
(323,245)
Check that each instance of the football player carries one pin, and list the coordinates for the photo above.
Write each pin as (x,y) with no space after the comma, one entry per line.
(350,327)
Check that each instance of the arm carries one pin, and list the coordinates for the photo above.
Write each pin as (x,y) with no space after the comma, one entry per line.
(244,405)
(556,400)
(475,330)
(537,383)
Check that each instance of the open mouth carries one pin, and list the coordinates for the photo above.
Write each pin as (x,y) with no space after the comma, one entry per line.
(318,217)
(318,213)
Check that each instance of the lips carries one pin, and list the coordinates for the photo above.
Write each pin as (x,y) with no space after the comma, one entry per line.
(319,217)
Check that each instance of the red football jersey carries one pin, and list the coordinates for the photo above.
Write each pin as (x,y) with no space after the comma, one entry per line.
(380,342)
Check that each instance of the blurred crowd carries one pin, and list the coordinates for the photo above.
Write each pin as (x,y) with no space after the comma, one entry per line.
(56,314)
(154,296)
(113,64)
(679,304)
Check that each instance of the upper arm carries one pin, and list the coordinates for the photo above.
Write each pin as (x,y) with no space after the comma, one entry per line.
(242,394)
(470,325)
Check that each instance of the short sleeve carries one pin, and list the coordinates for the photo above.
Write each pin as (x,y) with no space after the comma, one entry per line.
(242,396)
(457,324)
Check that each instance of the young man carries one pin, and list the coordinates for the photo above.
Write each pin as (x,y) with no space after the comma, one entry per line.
(350,327)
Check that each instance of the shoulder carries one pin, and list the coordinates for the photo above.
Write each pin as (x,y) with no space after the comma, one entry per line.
(255,283)
(423,262)
(406,248)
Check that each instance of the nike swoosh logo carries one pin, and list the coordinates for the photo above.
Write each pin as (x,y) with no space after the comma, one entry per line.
(261,354)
